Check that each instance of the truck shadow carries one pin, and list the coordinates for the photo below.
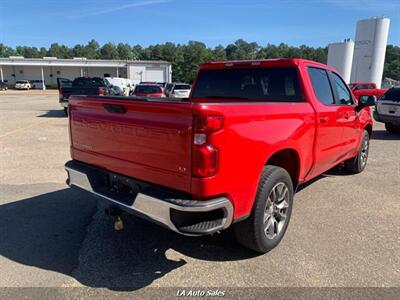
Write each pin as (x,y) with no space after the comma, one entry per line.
(339,170)
(66,232)
(53,113)
(385,136)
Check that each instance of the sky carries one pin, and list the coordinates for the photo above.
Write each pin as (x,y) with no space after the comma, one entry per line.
(314,23)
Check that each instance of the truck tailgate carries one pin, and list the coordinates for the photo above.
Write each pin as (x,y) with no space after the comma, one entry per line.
(147,140)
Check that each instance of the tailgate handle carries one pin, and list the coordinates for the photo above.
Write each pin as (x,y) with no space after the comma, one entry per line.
(115,108)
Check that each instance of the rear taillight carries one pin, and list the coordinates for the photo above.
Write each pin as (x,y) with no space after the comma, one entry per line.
(60,92)
(205,155)
(102,91)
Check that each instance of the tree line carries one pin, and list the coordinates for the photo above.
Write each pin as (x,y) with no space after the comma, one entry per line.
(186,58)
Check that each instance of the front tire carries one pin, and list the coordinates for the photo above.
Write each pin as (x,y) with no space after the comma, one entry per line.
(357,164)
(265,227)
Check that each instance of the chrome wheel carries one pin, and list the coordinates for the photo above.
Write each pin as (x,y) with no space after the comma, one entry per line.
(364,152)
(276,208)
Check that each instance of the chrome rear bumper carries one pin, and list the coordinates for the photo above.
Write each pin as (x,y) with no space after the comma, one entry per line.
(188,217)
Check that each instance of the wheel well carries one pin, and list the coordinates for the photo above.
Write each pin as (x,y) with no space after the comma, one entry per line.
(289,160)
(368,128)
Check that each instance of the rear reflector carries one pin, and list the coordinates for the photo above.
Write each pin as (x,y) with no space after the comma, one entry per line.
(205,161)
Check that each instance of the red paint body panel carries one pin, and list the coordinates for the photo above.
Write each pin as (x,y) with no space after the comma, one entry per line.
(153,140)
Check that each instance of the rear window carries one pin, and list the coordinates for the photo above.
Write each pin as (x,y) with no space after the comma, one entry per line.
(88,82)
(148,89)
(262,84)
(182,87)
(22,81)
(392,94)
(321,85)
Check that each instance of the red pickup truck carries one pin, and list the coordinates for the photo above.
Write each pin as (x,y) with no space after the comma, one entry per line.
(366,89)
(234,153)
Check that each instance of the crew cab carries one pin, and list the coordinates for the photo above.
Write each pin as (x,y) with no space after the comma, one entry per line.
(366,89)
(231,155)
(387,110)
(82,86)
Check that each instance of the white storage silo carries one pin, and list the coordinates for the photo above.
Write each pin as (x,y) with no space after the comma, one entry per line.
(369,50)
(340,56)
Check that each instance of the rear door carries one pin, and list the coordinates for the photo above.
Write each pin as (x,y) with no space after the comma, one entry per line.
(147,140)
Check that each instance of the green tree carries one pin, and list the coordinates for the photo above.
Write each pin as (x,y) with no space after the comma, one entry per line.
(186,59)
(194,54)
(92,49)
(124,51)
(219,53)
(6,51)
(109,51)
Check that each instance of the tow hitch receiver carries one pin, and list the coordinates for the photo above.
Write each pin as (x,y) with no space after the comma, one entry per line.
(115,211)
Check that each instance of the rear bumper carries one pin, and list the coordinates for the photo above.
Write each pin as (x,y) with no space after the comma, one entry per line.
(164,207)
(386,119)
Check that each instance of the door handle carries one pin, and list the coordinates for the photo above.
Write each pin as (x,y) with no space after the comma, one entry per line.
(346,116)
(115,108)
(324,119)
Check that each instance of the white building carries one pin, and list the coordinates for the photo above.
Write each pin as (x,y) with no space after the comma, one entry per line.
(48,69)
(340,56)
(369,50)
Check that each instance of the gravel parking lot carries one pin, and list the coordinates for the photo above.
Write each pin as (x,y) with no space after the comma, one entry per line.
(344,232)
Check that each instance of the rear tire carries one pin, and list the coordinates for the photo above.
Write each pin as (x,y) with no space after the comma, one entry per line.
(357,164)
(265,227)
(392,128)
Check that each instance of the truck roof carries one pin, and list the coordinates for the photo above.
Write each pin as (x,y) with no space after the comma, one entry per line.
(264,62)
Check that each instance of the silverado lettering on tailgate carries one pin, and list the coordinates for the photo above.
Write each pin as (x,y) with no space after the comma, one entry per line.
(128,129)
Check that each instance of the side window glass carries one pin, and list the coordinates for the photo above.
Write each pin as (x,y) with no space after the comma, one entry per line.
(342,92)
(321,85)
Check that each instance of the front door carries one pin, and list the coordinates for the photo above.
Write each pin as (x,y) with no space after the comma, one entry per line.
(347,115)
(329,132)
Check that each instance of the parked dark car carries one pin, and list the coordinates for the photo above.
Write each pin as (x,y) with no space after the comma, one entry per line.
(92,86)
(3,86)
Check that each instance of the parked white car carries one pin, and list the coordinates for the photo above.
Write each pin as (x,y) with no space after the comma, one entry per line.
(388,109)
(23,85)
(179,90)
(122,83)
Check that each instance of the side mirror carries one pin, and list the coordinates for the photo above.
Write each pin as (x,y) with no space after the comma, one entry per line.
(364,101)
(367,100)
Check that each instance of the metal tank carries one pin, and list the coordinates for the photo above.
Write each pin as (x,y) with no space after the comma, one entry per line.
(340,56)
(369,50)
